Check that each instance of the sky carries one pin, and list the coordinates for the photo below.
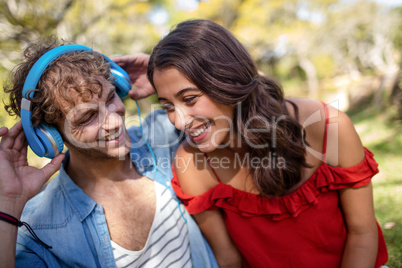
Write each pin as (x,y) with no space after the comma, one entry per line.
(192,4)
(160,16)
(389,2)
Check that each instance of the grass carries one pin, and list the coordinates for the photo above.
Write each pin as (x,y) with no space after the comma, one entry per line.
(383,136)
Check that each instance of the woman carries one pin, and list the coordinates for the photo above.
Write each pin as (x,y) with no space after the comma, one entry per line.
(272,182)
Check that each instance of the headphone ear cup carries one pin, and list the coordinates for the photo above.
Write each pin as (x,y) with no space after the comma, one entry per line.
(121,83)
(51,140)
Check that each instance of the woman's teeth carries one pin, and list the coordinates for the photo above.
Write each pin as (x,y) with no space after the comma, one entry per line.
(199,132)
(114,136)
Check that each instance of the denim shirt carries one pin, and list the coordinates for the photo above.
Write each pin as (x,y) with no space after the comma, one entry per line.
(67,219)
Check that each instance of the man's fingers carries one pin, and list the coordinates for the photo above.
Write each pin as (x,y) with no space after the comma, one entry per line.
(52,167)
(24,149)
(3,131)
(17,127)
(7,140)
(19,141)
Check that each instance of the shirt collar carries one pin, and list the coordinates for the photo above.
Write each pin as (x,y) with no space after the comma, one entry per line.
(80,202)
(140,154)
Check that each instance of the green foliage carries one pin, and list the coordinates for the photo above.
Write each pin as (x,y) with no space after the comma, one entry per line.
(325,65)
(396,29)
(111,26)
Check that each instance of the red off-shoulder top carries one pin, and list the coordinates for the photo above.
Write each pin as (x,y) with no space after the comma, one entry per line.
(305,228)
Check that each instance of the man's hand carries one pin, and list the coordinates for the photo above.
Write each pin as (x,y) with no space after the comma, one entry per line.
(136,66)
(18,181)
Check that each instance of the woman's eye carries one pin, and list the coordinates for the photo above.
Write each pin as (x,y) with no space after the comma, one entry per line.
(168,107)
(189,99)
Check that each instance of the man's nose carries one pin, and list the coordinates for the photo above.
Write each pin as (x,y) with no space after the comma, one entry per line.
(113,119)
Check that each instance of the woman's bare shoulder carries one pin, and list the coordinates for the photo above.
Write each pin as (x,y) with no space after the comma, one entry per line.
(192,171)
(311,116)
(344,147)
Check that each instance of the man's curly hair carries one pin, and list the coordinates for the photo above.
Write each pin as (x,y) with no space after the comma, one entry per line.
(78,72)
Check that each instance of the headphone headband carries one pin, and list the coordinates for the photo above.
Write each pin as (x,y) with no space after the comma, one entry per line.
(43,62)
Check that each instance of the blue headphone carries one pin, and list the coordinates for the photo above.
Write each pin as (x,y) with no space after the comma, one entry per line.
(43,139)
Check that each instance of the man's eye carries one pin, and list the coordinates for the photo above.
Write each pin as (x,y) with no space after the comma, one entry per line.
(87,120)
(111,97)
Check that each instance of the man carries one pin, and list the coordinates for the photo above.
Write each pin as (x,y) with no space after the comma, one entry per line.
(109,205)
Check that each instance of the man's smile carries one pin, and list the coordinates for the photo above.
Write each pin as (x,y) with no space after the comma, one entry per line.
(113,136)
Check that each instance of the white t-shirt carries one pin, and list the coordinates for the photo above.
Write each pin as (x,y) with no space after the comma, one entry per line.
(168,244)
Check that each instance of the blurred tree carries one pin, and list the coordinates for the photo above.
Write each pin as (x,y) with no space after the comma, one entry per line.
(360,39)
(309,42)
(315,39)
(272,30)
(111,26)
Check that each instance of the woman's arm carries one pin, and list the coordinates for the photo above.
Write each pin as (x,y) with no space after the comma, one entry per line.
(357,203)
(195,181)
(362,240)
(213,227)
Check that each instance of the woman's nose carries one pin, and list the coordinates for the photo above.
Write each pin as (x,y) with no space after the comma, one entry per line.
(181,119)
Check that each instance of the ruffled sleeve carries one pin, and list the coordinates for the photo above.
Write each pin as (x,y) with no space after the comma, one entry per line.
(325,178)
(334,178)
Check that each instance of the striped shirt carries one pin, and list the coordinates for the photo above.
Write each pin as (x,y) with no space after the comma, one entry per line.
(168,243)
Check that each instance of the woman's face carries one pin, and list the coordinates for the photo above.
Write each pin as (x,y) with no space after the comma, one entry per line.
(207,123)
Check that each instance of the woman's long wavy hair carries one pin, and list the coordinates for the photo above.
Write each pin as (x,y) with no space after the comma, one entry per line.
(218,64)
(77,71)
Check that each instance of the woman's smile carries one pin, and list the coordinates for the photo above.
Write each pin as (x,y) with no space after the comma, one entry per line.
(199,133)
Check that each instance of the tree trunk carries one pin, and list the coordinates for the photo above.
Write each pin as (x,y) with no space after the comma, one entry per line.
(311,74)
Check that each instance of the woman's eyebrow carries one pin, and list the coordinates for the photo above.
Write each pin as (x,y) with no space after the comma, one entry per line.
(181,92)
